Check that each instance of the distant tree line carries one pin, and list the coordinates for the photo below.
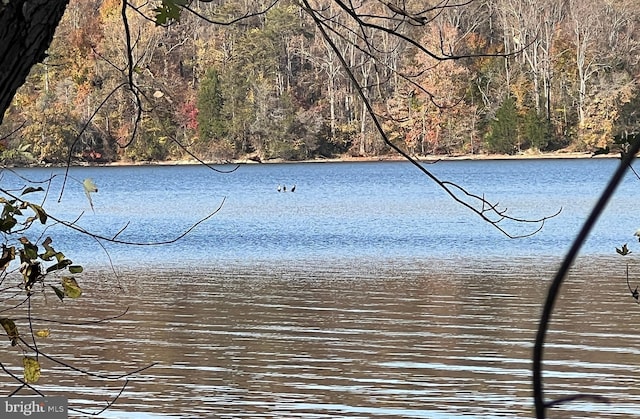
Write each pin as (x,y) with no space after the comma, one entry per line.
(540,75)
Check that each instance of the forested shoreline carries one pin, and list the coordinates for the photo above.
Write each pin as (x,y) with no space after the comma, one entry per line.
(529,77)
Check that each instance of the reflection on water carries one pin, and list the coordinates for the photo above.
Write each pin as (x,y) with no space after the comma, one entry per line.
(426,340)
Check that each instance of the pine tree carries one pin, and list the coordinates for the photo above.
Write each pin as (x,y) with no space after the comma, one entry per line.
(211,120)
(535,129)
(503,129)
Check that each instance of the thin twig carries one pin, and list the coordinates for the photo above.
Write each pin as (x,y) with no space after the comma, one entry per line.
(87,372)
(77,323)
(577,397)
(108,405)
(74,226)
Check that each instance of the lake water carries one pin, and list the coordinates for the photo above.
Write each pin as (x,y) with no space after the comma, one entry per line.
(366,292)
(339,211)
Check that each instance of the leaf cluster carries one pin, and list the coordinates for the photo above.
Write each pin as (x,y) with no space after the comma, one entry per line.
(32,267)
(38,262)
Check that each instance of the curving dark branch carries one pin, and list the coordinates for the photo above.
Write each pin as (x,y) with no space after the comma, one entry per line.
(20,381)
(187,7)
(131,85)
(13,131)
(110,377)
(186,149)
(31,346)
(634,292)
(230,22)
(370,50)
(554,288)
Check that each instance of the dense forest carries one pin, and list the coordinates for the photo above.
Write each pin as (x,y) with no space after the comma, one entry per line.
(527,76)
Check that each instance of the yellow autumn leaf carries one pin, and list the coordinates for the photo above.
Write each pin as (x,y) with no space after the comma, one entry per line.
(11,329)
(31,369)
(43,333)
(71,287)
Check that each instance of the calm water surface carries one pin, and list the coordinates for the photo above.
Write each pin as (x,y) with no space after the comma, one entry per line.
(342,210)
(366,293)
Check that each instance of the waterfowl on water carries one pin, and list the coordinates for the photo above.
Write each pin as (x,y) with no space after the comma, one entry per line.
(283,188)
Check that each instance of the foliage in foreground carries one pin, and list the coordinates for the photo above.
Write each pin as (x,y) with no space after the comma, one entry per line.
(32,268)
(41,268)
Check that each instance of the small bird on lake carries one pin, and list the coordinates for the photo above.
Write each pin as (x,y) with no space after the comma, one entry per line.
(279,188)
(293,188)
(284,188)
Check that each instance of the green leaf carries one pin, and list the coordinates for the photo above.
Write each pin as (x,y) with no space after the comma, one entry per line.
(7,223)
(50,251)
(11,329)
(60,265)
(624,250)
(75,269)
(40,213)
(30,189)
(31,369)
(58,292)
(71,287)
(9,208)
(29,252)
(169,11)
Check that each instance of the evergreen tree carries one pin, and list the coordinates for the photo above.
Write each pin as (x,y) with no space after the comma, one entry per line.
(535,129)
(211,120)
(503,129)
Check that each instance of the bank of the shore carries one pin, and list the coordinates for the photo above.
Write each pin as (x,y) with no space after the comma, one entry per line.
(347,158)
(387,157)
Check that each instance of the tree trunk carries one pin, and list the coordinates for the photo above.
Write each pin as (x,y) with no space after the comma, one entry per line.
(26,30)
(332,102)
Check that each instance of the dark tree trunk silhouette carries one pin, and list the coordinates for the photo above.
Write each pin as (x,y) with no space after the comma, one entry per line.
(26,31)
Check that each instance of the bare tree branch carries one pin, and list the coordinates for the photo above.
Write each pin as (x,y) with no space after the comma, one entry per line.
(489,212)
